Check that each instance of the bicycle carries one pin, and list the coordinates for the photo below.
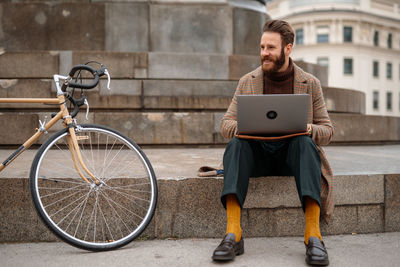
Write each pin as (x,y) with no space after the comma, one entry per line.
(103,193)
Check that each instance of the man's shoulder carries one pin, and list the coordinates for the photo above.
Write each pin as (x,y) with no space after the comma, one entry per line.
(304,76)
(252,74)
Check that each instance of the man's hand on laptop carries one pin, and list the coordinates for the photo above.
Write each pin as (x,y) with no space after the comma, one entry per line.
(309,129)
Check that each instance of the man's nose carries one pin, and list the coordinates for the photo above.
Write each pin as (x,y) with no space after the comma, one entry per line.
(264,52)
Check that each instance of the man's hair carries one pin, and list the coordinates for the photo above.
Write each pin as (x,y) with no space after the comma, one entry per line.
(283,28)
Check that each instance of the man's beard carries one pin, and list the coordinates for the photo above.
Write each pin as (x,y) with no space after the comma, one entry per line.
(278,63)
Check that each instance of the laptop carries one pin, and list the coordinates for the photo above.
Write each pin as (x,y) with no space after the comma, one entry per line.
(272,114)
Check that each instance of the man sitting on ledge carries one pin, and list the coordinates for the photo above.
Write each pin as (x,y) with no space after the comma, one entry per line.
(300,156)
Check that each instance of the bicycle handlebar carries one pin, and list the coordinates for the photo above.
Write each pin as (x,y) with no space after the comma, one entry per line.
(96,75)
(80,85)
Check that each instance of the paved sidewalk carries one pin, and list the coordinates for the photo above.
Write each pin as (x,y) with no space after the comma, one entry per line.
(344,251)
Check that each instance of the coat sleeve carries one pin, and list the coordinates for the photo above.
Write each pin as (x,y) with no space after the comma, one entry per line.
(322,129)
(228,125)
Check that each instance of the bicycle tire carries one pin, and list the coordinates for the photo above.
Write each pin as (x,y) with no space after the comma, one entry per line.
(89,216)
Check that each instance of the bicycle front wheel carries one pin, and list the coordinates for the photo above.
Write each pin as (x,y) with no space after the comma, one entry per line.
(89,216)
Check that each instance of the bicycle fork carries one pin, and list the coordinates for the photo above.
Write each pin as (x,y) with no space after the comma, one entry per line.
(73,146)
(77,157)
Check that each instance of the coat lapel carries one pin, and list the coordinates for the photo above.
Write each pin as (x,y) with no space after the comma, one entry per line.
(300,81)
(257,82)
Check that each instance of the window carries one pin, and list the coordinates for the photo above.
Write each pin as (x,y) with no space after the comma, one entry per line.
(322,34)
(389,70)
(323,61)
(389,101)
(376,69)
(347,34)
(348,66)
(389,40)
(375,100)
(376,38)
(299,36)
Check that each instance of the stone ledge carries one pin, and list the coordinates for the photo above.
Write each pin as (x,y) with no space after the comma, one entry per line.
(277,192)
(191,207)
(365,128)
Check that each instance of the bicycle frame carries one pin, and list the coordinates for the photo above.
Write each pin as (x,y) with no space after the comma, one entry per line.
(64,115)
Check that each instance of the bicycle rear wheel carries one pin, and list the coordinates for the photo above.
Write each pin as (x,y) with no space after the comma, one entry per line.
(86,215)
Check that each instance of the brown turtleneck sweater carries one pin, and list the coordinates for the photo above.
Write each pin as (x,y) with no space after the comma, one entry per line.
(281,82)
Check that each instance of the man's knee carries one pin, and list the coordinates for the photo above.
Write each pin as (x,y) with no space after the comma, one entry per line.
(237,149)
(302,141)
(238,143)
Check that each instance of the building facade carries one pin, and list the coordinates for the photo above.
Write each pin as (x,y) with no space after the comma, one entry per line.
(357,40)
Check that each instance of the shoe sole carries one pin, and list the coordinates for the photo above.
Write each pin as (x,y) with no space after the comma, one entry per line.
(228,258)
(318,263)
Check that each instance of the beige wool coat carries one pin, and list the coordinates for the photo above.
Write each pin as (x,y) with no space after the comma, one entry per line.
(322,129)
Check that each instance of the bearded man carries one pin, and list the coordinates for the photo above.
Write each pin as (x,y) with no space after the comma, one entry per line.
(300,156)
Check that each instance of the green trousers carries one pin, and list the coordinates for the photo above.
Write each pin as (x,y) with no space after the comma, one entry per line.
(297,156)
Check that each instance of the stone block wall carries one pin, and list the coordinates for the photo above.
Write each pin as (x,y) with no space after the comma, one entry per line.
(130,26)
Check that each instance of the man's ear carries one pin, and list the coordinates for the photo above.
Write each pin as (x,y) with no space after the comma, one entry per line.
(288,49)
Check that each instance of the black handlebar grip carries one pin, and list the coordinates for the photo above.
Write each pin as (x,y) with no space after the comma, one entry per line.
(84,86)
(81,67)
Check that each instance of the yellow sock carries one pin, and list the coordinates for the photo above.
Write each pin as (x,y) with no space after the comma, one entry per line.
(312,220)
(233,216)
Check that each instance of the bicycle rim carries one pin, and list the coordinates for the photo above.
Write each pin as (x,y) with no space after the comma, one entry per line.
(86,215)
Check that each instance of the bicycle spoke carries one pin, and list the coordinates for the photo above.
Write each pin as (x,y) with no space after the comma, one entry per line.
(58,211)
(108,201)
(122,207)
(62,190)
(105,221)
(77,208)
(112,160)
(124,186)
(63,181)
(116,213)
(80,219)
(128,197)
(91,216)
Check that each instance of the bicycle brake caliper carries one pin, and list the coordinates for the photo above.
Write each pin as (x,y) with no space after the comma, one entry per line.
(42,124)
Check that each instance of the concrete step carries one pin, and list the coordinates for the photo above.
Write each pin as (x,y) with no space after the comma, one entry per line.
(367,190)
(190,128)
(138,65)
(162,94)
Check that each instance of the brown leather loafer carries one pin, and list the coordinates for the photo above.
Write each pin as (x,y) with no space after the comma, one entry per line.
(228,248)
(316,253)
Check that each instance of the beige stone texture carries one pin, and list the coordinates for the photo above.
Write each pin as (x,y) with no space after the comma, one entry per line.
(392,201)
(16,65)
